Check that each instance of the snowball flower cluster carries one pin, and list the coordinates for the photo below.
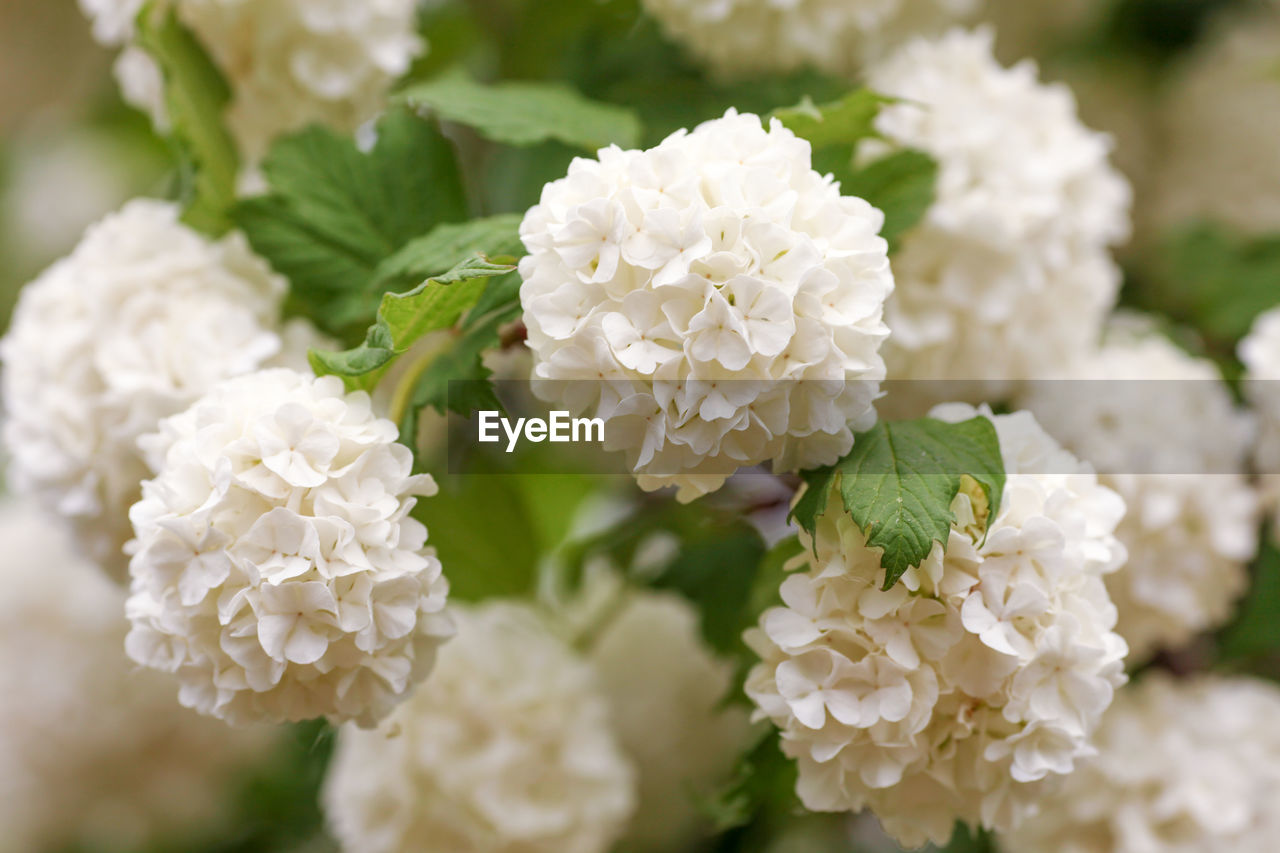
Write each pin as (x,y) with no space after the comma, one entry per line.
(665,690)
(965,688)
(507,749)
(740,36)
(276,571)
(289,62)
(1162,428)
(141,319)
(718,301)
(1219,121)
(1008,275)
(1182,767)
(83,733)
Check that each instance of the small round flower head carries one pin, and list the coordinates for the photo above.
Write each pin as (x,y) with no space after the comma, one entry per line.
(506,749)
(141,319)
(1008,275)
(1219,121)
(289,62)
(94,754)
(665,689)
(744,36)
(1163,429)
(1182,767)
(963,690)
(718,301)
(276,571)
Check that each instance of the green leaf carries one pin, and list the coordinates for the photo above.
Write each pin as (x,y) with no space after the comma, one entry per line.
(195,95)
(1255,633)
(898,483)
(841,123)
(900,184)
(446,246)
(335,213)
(403,318)
(525,113)
(763,779)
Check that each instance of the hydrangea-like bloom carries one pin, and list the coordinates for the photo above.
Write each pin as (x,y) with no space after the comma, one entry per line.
(141,319)
(1163,429)
(1219,121)
(276,571)
(665,689)
(964,689)
(738,36)
(718,300)
(92,751)
(507,749)
(1182,767)
(289,62)
(1009,274)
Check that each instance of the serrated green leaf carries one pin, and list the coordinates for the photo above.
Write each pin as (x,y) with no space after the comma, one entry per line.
(841,123)
(195,96)
(404,318)
(900,184)
(446,246)
(335,213)
(525,113)
(898,481)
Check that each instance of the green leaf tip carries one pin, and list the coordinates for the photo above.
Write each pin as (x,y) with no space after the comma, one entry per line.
(898,482)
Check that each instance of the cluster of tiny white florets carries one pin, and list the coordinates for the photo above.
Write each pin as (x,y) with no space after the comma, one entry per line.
(289,62)
(718,300)
(507,749)
(665,690)
(1162,428)
(143,317)
(743,36)
(1218,124)
(83,733)
(1008,275)
(965,688)
(1182,767)
(276,571)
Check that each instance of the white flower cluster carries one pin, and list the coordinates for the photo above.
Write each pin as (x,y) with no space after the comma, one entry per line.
(1182,767)
(1260,353)
(507,749)
(1163,429)
(82,732)
(289,62)
(962,690)
(665,689)
(276,571)
(1009,273)
(143,317)
(1218,122)
(741,36)
(717,300)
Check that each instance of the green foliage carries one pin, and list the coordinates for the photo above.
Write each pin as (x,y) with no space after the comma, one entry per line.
(334,213)
(195,95)
(1255,633)
(404,318)
(1215,280)
(446,246)
(898,481)
(763,779)
(839,124)
(900,184)
(525,113)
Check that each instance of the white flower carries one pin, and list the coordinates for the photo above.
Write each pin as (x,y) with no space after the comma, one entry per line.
(92,751)
(1009,274)
(289,62)
(505,749)
(959,693)
(276,571)
(1218,124)
(741,36)
(1163,429)
(665,688)
(1182,767)
(718,302)
(1260,353)
(141,319)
